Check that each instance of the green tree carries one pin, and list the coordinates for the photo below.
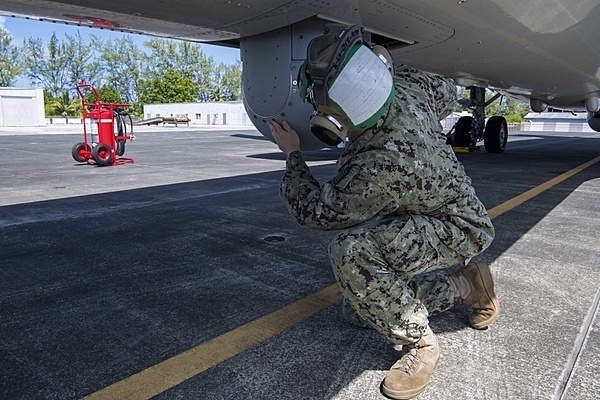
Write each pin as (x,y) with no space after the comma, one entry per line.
(48,99)
(193,63)
(10,64)
(64,105)
(61,65)
(186,58)
(108,94)
(121,62)
(171,88)
(162,57)
(47,65)
(513,110)
(227,82)
(82,61)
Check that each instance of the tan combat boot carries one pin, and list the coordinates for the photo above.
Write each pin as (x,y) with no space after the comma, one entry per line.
(410,374)
(474,286)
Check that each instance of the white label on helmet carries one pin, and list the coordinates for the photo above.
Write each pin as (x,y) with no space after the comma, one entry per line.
(362,86)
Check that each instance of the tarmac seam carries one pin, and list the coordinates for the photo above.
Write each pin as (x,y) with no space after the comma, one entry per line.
(566,377)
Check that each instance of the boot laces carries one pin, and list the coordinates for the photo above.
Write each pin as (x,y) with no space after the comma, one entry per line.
(409,361)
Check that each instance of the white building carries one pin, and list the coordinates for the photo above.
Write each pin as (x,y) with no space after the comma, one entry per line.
(219,113)
(22,107)
(556,122)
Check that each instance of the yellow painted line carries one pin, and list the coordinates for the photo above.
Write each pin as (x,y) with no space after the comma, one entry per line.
(461,149)
(516,201)
(175,370)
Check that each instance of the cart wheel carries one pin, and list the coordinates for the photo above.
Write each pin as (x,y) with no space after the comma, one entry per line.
(120,147)
(79,151)
(102,154)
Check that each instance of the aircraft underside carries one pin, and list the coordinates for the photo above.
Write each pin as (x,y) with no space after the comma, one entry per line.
(270,90)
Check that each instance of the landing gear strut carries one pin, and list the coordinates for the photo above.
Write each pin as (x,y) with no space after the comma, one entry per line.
(468,131)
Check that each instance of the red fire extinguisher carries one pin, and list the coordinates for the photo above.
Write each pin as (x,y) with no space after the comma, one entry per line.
(109,145)
(106,130)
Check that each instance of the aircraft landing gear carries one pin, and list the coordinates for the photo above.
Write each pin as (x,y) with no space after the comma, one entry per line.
(495,135)
(468,131)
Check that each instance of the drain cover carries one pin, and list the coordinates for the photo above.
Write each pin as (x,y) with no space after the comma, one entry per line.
(273,238)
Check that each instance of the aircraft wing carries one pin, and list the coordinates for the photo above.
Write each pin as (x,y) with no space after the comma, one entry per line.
(543,50)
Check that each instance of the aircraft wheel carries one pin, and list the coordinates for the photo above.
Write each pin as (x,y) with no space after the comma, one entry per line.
(495,135)
(462,136)
(79,151)
(102,154)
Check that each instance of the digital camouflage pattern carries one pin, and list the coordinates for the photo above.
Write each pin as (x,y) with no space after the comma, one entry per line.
(407,208)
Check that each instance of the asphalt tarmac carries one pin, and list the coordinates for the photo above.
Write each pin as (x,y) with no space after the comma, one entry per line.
(182,276)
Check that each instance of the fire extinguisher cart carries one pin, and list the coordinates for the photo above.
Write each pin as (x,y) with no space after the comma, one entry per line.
(106,145)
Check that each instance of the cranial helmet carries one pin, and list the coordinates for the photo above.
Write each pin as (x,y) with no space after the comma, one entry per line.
(348,82)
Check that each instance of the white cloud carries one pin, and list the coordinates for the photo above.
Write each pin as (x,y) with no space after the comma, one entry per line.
(3,27)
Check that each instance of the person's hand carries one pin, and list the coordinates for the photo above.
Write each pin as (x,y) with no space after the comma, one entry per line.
(286,138)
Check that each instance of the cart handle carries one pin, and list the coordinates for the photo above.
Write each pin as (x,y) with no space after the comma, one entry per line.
(85,84)
(98,102)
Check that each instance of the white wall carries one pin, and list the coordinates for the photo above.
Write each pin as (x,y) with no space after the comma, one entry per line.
(221,113)
(22,107)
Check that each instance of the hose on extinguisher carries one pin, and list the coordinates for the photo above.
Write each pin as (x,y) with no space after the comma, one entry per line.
(120,119)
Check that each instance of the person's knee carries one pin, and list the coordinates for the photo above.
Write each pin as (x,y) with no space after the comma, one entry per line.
(339,248)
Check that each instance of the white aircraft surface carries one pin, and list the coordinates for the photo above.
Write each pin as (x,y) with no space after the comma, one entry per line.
(543,51)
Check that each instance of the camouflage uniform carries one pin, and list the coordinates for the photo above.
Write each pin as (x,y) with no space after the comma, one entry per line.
(407,208)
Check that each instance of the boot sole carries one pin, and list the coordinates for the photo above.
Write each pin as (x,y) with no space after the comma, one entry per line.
(406,395)
(488,283)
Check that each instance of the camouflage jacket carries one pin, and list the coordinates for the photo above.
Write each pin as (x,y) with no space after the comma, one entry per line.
(403,166)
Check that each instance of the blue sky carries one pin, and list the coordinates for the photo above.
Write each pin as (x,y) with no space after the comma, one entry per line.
(20,28)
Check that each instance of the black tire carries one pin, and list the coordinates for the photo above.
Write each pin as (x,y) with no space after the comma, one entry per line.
(102,154)
(495,135)
(79,150)
(120,147)
(462,129)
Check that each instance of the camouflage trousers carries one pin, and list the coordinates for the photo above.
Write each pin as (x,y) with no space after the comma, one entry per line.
(391,273)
